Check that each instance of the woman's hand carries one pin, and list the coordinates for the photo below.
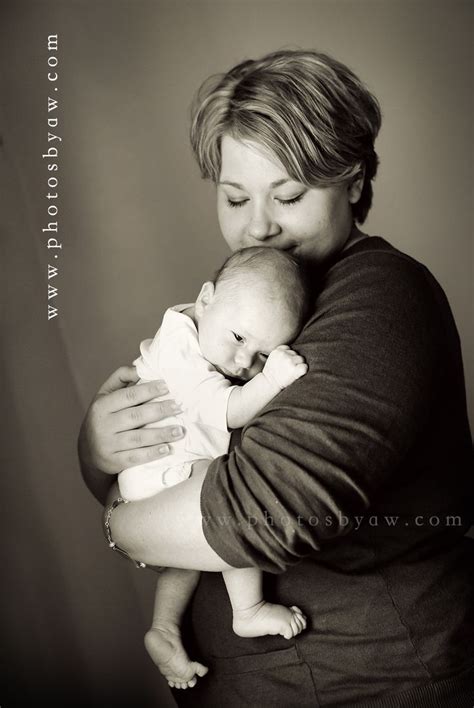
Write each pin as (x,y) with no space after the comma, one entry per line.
(112,436)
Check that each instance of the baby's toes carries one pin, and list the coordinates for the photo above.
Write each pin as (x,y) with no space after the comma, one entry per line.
(176,684)
(298,621)
(296,610)
(299,627)
(200,669)
(302,621)
(295,628)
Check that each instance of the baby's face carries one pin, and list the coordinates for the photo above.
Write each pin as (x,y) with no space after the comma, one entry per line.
(238,331)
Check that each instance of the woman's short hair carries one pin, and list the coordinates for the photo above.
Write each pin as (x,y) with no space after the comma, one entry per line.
(305,107)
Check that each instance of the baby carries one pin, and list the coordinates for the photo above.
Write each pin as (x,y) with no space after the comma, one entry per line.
(238,329)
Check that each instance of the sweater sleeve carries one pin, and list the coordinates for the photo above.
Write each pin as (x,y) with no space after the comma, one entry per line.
(319,453)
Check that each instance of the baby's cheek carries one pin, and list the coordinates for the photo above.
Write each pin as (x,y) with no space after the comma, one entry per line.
(223,355)
(257,367)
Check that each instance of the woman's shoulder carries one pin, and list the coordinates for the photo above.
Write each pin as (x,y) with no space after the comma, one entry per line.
(377,273)
(375,251)
(376,292)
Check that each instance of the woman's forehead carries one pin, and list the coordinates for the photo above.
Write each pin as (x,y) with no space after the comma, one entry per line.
(244,161)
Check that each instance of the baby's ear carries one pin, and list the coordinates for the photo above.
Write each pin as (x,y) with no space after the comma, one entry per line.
(204,298)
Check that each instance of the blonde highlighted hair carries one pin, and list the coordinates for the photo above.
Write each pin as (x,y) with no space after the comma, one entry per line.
(306,108)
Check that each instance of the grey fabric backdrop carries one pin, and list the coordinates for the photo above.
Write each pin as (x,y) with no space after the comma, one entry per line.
(139,233)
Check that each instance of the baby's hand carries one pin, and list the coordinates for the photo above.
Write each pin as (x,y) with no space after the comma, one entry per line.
(284,366)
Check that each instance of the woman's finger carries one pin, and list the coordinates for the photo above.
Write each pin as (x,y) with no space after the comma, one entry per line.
(148,437)
(130,396)
(140,415)
(119,379)
(139,456)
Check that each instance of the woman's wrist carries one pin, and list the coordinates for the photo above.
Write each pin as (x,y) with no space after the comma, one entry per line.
(98,482)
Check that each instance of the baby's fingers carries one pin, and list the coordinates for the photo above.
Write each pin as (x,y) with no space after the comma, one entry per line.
(301,370)
(298,359)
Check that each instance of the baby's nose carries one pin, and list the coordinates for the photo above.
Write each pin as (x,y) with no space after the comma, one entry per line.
(244,359)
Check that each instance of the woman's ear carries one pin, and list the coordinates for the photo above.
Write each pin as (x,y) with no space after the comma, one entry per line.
(204,298)
(356,184)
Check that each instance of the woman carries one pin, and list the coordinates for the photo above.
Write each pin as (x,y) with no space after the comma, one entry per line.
(356,480)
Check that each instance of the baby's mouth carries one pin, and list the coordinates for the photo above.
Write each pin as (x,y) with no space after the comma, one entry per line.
(229,374)
(223,371)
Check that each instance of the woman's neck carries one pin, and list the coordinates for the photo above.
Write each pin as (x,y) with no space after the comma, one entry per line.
(354,236)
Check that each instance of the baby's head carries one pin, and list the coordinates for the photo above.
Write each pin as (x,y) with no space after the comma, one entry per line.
(258,300)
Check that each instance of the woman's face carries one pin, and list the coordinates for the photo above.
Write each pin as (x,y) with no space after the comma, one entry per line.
(259,204)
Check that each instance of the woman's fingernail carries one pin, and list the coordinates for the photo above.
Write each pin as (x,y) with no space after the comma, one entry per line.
(175,408)
(177,432)
(161,388)
(163,449)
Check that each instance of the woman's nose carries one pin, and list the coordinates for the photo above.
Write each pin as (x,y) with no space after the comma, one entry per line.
(262,225)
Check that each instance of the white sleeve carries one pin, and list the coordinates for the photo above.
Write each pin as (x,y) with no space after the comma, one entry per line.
(192,381)
(147,363)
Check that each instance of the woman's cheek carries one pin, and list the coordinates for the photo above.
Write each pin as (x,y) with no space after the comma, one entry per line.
(232,235)
(225,227)
(235,221)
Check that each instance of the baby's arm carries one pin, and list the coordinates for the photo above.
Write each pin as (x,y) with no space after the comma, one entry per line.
(282,367)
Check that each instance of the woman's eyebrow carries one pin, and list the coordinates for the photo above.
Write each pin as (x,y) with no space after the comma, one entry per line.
(278,183)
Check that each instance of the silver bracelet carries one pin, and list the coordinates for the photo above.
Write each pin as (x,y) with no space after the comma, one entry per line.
(108,532)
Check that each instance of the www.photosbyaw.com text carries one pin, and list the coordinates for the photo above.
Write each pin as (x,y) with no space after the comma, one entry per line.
(50,157)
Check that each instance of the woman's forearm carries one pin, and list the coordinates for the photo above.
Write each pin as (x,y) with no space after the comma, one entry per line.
(98,482)
(166,530)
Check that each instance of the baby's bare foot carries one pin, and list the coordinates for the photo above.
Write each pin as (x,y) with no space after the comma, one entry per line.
(266,618)
(165,647)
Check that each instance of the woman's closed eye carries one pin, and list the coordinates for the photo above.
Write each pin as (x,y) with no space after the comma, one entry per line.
(238,338)
(236,203)
(289,202)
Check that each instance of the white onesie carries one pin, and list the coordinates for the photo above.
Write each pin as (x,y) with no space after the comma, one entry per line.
(200,390)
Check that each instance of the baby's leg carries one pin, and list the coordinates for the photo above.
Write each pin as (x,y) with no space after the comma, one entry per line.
(174,589)
(253,617)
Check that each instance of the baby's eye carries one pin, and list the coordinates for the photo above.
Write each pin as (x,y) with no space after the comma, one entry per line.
(238,338)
